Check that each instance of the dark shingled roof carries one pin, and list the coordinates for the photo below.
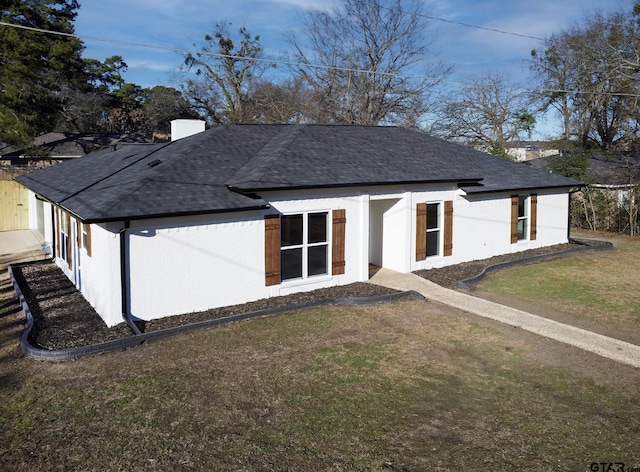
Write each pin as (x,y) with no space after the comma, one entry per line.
(223,168)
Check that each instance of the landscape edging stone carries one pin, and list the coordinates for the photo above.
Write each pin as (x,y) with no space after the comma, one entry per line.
(468,283)
(136,340)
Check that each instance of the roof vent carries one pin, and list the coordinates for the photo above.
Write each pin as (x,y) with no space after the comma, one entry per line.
(154,163)
(184,128)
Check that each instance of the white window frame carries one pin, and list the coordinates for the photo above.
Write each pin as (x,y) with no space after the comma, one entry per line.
(64,236)
(439,229)
(304,247)
(524,218)
(84,234)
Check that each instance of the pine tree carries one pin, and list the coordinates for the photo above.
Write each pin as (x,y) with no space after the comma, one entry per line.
(38,62)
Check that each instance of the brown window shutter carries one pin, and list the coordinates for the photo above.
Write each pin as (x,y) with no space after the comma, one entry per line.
(272,249)
(514,219)
(533,210)
(69,242)
(421,231)
(78,234)
(58,231)
(338,241)
(448,228)
(87,229)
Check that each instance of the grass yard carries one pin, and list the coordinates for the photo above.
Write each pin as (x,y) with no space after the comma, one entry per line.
(600,287)
(407,385)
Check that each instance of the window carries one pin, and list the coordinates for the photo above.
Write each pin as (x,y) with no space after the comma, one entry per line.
(304,246)
(524,209)
(433,229)
(86,238)
(64,236)
(296,246)
(523,217)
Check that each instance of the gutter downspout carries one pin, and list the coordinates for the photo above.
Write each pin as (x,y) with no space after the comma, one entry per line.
(124,293)
(569,218)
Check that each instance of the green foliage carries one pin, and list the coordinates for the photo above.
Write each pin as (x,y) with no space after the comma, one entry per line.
(498,149)
(162,104)
(524,121)
(573,165)
(105,76)
(36,68)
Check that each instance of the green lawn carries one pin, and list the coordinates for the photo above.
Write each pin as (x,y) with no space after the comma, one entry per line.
(600,286)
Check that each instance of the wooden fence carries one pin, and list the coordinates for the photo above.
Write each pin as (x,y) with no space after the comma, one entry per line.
(14,202)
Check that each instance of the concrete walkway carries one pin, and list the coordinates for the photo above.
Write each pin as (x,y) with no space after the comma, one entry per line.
(20,246)
(604,346)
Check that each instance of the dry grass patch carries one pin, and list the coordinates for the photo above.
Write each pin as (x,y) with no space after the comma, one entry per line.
(394,386)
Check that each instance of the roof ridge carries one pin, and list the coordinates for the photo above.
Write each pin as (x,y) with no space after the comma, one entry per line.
(254,169)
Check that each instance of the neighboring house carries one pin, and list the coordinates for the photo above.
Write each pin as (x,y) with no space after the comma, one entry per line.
(527,152)
(243,212)
(56,147)
(47,149)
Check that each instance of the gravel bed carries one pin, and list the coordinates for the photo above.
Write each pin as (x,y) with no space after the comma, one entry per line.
(63,319)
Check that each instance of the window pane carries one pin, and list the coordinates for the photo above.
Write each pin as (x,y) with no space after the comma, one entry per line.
(433,243)
(317,260)
(522,229)
(291,263)
(433,210)
(290,230)
(522,206)
(317,227)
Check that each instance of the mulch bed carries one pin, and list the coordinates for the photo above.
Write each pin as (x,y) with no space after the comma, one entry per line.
(63,319)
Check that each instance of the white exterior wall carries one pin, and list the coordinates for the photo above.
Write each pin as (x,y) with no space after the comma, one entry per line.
(35,210)
(553,219)
(100,273)
(185,128)
(186,264)
(482,227)
(40,217)
(97,277)
(356,251)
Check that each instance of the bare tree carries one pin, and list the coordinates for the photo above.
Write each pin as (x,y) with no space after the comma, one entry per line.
(587,74)
(488,113)
(226,70)
(368,62)
(277,102)
(554,68)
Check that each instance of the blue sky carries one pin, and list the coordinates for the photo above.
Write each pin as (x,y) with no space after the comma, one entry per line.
(178,24)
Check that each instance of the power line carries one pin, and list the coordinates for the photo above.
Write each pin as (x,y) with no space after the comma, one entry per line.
(214,54)
(298,63)
(459,23)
